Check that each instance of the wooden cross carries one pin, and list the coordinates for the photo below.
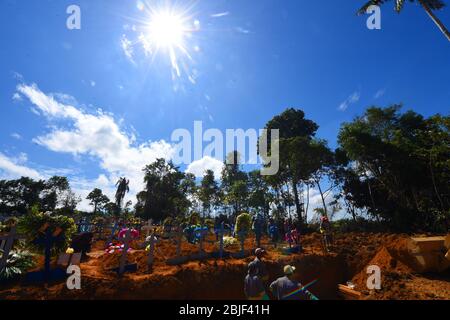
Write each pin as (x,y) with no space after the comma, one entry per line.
(123,258)
(179,238)
(8,242)
(200,242)
(147,228)
(111,237)
(242,236)
(221,240)
(48,241)
(98,231)
(152,242)
(84,226)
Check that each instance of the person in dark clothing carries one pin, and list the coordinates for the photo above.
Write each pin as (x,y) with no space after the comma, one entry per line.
(259,264)
(253,286)
(286,288)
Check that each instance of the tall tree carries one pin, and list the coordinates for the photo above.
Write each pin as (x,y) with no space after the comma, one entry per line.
(427,5)
(399,168)
(234,183)
(98,199)
(208,192)
(166,191)
(260,196)
(296,133)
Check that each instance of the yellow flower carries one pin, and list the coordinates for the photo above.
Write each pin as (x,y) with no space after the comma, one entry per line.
(70,251)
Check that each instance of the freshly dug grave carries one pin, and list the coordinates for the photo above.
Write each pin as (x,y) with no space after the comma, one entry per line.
(223,278)
(398,278)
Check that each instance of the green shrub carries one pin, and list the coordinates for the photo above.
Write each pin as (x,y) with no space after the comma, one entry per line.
(209,223)
(194,218)
(31,224)
(18,262)
(243,223)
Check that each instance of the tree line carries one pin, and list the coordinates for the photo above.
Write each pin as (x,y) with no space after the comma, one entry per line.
(389,167)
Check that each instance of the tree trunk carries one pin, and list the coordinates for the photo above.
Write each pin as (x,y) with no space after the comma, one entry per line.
(436,20)
(298,207)
(307,203)
(323,199)
(434,185)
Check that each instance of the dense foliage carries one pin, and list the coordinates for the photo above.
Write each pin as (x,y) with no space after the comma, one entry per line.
(390,167)
(18,263)
(32,225)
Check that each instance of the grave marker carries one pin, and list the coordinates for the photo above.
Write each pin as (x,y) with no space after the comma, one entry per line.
(48,241)
(147,228)
(8,242)
(123,258)
(221,240)
(111,236)
(151,252)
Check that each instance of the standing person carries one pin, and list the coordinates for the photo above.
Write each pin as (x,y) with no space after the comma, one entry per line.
(253,286)
(258,226)
(273,232)
(260,265)
(286,288)
(325,230)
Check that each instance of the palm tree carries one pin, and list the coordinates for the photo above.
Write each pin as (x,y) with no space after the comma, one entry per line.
(122,189)
(428,5)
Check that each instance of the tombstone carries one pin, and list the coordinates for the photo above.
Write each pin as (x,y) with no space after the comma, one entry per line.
(8,242)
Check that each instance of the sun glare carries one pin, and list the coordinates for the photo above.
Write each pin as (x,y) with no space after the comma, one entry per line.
(169,30)
(166,30)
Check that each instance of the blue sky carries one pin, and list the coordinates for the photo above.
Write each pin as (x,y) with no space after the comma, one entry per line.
(250,60)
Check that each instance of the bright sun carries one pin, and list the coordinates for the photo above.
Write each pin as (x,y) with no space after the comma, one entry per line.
(167,30)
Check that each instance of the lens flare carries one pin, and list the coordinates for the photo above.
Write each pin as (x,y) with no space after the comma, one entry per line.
(168,29)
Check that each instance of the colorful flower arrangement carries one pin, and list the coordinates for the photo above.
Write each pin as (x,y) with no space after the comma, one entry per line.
(118,246)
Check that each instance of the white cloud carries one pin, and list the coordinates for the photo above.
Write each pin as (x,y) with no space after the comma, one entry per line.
(96,135)
(379,93)
(16,97)
(199,167)
(93,83)
(127,47)
(352,99)
(12,168)
(221,14)
(16,136)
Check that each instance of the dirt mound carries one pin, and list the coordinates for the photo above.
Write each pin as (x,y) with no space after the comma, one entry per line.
(388,262)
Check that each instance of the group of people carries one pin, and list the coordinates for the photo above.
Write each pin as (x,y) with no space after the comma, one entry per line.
(256,286)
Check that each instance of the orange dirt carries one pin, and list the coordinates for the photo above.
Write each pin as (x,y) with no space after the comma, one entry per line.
(223,278)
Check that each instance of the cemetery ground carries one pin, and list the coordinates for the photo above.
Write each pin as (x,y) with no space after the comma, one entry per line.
(222,278)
